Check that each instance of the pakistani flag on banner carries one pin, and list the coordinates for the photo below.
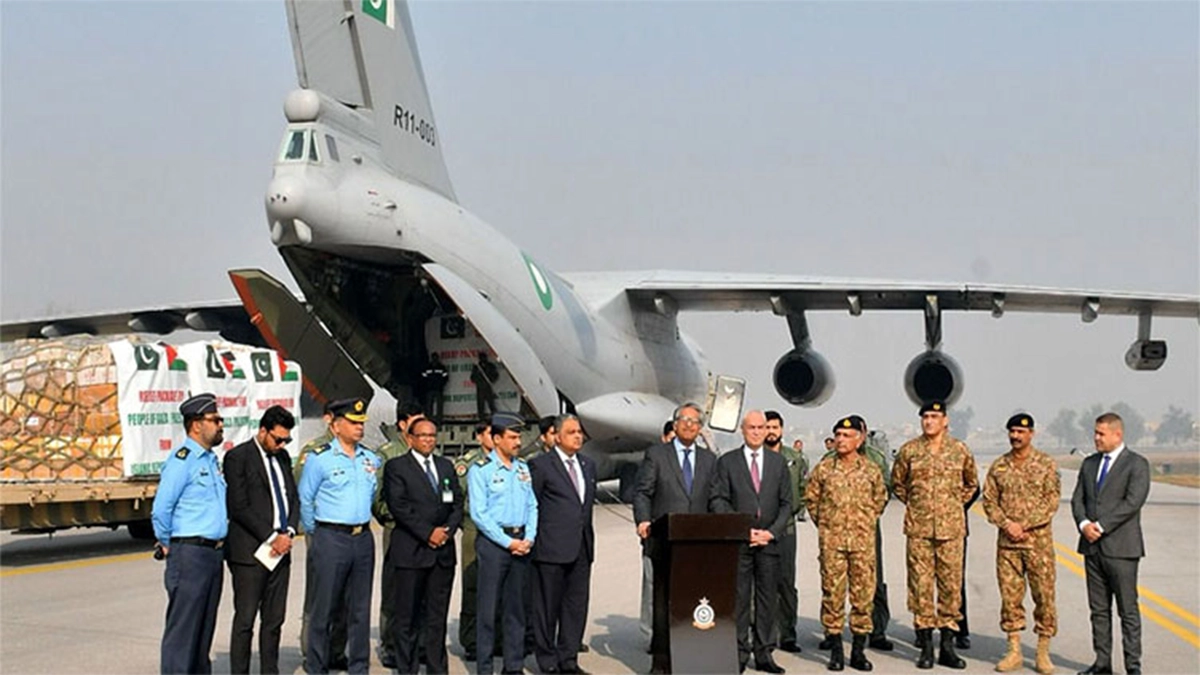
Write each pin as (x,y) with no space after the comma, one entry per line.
(260,363)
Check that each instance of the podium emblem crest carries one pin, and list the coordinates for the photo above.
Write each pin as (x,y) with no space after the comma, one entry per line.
(703,617)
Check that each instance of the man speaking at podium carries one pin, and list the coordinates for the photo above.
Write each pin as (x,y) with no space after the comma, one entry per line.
(751,481)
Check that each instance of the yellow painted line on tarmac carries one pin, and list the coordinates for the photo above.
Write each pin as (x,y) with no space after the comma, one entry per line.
(1068,558)
(1188,636)
(74,564)
(1143,592)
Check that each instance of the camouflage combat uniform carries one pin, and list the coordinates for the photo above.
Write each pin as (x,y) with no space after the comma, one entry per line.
(881,613)
(845,498)
(470,566)
(934,483)
(789,597)
(387,582)
(1025,492)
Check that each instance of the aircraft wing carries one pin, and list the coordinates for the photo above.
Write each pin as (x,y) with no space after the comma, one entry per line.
(226,317)
(689,291)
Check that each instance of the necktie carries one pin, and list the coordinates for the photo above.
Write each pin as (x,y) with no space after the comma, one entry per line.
(687,470)
(754,477)
(1103,471)
(280,504)
(575,478)
(430,474)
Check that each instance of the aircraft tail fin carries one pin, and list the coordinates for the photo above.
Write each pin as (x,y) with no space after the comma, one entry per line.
(363,54)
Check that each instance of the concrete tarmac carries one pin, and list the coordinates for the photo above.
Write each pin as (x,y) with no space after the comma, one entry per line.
(89,601)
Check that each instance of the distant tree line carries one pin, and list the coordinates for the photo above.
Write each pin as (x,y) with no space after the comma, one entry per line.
(1074,428)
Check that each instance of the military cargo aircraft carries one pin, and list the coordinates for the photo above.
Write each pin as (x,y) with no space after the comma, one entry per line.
(363,212)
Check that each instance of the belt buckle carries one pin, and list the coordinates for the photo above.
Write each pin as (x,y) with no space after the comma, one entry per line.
(356,530)
(219,543)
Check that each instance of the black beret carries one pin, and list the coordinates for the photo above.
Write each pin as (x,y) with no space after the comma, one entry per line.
(507,420)
(933,406)
(353,409)
(200,404)
(1020,421)
(851,422)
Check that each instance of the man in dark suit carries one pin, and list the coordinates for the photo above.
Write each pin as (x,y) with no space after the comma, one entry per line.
(263,507)
(749,480)
(674,477)
(424,496)
(564,483)
(1110,490)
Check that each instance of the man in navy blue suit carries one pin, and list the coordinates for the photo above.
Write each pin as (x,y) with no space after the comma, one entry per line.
(424,496)
(564,483)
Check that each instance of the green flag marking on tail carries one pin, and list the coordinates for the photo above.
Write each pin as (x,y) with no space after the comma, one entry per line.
(382,10)
(540,283)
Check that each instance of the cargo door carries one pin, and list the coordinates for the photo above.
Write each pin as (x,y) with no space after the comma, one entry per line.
(515,354)
(290,329)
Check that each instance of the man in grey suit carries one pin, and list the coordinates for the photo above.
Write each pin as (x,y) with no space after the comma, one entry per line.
(674,478)
(1107,505)
(753,480)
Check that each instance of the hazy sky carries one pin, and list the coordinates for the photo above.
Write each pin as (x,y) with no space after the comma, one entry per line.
(1022,143)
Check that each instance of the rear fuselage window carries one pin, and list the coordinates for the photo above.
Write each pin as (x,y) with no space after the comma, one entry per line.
(331,146)
(312,148)
(294,148)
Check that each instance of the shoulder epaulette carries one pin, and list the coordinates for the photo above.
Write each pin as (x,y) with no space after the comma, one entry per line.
(482,461)
(182,453)
(321,448)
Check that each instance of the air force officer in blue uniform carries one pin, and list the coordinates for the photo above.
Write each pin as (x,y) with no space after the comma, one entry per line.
(506,512)
(190,525)
(336,491)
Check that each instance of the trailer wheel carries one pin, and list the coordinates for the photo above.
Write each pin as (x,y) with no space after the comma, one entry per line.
(140,529)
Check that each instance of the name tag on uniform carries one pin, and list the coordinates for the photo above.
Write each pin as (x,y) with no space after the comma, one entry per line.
(447,495)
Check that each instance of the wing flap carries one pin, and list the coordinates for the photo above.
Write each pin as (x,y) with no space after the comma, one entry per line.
(756,292)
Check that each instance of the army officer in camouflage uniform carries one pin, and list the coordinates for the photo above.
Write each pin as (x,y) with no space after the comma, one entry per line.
(845,497)
(1020,497)
(934,476)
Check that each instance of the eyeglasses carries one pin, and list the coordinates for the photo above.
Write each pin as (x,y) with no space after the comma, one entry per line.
(683,419)
(216,419)
(280,440)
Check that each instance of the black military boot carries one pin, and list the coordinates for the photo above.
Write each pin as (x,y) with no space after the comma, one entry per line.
(947,657)
(837,657)
(925,660)
(858,660)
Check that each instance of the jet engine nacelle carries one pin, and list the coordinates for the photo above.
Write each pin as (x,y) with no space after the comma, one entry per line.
(933,376)
(803,377)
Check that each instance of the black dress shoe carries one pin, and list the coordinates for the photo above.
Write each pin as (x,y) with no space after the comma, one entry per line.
(790,646)
(388,659)
(881,643)
(768,666)
(962,641)
(1096,670)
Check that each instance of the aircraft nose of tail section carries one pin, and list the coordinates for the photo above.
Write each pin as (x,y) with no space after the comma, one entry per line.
(284,199)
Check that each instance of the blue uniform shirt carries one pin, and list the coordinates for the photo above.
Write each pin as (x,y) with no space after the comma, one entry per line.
(337,488)
(190,501)
(502,497)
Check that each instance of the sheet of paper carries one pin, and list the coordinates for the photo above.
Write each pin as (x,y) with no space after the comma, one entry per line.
(264,555)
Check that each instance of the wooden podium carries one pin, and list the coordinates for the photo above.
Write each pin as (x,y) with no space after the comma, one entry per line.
(695,590)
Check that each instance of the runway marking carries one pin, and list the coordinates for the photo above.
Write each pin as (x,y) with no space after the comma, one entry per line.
(55,567)
(1144,592)
(1068,558)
